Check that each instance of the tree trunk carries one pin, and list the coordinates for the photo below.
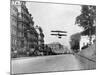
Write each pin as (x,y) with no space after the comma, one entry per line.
(90,37)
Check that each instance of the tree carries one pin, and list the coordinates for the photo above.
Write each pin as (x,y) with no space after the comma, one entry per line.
(87,20)
(74,42)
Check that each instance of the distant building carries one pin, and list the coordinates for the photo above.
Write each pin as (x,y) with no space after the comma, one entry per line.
(32,38)
(40,37)
(84,41)
(79,42)
(56,47)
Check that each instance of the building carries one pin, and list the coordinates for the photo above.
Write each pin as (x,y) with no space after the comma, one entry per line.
(21,21)
(27,36)
(85,41)
(79,41)
(56,47)
(13,19)
(40,38)
(32,40)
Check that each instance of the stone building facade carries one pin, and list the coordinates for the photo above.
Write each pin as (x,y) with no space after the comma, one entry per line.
(26,35)
(13,20)
(40,38)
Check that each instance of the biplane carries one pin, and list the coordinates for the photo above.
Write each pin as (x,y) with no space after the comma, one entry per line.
(58,33)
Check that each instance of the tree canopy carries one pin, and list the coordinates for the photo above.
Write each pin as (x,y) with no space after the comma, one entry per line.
(87,19)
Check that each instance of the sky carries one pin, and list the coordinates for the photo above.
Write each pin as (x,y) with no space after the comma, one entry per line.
(55,17)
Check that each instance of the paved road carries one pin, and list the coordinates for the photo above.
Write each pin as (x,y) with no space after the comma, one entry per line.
(51,63)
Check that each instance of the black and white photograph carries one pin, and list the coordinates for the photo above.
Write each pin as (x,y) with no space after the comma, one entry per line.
(52,37)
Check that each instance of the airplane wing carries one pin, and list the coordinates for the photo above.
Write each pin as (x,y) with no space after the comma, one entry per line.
(62,35)
(54,34)
(58,31)
(59,34)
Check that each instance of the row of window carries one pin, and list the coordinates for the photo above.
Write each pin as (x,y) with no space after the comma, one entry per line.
(20,34)
(13,21)
(13,30)
(14,10)
(13,42)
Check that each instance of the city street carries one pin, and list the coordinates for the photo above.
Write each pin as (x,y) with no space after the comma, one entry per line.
(41,31)
(51,63)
